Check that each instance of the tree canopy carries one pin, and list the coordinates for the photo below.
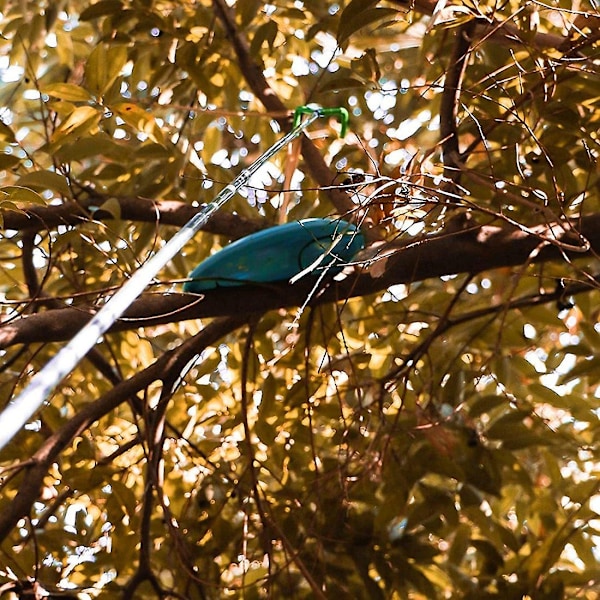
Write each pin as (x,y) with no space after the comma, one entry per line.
(426,425)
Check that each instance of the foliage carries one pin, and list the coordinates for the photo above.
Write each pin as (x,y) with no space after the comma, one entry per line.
(433,433)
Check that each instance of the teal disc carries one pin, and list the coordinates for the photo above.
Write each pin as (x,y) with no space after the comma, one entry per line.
(317,246)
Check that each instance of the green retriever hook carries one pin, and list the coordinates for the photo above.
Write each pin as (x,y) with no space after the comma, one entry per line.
(339,112)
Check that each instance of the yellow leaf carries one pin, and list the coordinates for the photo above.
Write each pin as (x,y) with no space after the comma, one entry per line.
(45,180)
(67,91)
(82,117)
(139,119)
(104,65)
(17,193)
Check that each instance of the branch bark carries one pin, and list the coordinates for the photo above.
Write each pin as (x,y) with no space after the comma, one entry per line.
(450,102)
(165,212)
(471,250)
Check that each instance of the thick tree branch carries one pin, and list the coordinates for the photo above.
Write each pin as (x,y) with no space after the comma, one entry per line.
(471,250)
(165,212)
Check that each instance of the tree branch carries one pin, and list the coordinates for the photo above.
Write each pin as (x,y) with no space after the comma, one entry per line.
(165,212)
(471,250)
(504,33)
(450,101)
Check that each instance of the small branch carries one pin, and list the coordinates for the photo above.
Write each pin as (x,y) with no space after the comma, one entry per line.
(29,270)
(504,33)
(445,323)
(245,405)
(451,100)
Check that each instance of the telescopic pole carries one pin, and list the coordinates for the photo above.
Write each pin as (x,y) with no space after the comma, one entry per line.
(22,408)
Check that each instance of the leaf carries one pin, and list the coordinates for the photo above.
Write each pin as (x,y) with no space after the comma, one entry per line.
(544,557)
(486,404)
(67,91)
(341,83)
(6,133)
(352,21)
(265,33)
(460,543)
(419,581)
(101,9)
(247,10)
(111,206)
(90,146)
(268,404)
(81,120)
(141,120)
(45,180)
(211,143)
(589,368)
(19,194)
(354,9)
(8,161)
(64,48)
(103,66)
(513,433)
(366,66)
(153,151)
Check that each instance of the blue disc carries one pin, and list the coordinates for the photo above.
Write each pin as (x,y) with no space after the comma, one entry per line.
(279,253)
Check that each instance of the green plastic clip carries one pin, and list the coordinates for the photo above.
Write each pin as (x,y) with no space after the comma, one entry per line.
(339,112)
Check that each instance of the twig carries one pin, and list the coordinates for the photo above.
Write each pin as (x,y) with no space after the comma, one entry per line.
(501,32)
(450,102)
(445,324)
(265,537)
